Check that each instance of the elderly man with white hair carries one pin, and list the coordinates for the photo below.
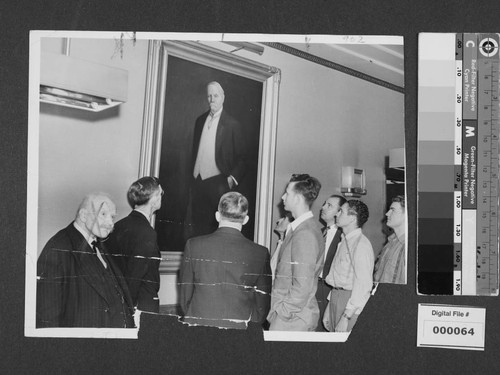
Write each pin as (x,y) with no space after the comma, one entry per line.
(78,284)
(218,159)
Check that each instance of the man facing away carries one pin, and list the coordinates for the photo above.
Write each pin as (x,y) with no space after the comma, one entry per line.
(390,266)
(293,301)
(225,279)
(219,159)
(351,274)
(332,235)
(78,283)
(135,247)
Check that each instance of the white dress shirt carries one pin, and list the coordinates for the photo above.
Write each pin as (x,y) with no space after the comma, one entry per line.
(205,165)
(352,269)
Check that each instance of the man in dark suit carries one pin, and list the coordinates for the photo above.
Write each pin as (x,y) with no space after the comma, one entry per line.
(218,160)
(331,234)
(135,246)
(78,283)
(225,279)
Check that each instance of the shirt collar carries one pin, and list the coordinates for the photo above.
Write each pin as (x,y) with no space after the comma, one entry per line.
(89,238)
(229,224)
(216,114)
(294,224)
(331,227)
(354,233)
(400,238)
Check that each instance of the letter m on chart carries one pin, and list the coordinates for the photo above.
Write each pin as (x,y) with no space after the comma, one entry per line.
(470,131)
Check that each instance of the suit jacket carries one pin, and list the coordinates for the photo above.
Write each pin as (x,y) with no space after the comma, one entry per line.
(230,149)
(135,246)
(75,290)
(225,280)
(293,301)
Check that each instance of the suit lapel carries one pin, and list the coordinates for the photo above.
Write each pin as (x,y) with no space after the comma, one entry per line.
(220,132)
(88,262)
(197,134)
(287,241)
(116,271)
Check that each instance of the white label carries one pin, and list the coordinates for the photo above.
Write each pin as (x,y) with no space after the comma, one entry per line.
(451,327)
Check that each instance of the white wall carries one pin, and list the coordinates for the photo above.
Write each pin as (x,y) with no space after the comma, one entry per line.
(82,152)
(328,119)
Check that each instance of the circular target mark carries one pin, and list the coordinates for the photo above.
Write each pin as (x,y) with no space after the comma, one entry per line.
(488,47)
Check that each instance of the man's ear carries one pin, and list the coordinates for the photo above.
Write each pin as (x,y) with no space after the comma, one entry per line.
(299,199)
(245,220)
(82,215)
(217,216)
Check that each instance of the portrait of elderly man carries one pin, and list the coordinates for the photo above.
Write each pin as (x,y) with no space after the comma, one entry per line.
(79,284)
(219,159)
(134,244)
(390,266)
(225,279)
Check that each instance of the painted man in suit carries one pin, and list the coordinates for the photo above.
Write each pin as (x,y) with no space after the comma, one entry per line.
(351,274)
(135,246)
(225,278)
(219,163)
(300,260)
(79,284)
(331,234)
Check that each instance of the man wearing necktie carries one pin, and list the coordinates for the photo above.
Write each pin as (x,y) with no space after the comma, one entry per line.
(331,233)
(78,284)
(218,160)
(299,261)
(351,273)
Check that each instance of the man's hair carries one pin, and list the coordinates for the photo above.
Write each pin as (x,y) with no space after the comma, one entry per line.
(141,191)
(216,84)
(233,206)
(401,200)
(88,202)
(307,186)
(358,208)
(341,199)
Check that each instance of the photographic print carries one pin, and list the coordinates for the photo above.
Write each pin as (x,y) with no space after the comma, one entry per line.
(160,164)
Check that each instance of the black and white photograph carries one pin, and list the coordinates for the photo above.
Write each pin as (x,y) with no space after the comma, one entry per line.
(225,179)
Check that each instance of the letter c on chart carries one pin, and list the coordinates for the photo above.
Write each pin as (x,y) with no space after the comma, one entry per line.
(470,43)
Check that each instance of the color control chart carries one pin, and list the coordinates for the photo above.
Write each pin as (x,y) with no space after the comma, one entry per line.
(458,164)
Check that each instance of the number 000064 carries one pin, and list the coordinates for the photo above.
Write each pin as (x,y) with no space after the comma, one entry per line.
(452,331)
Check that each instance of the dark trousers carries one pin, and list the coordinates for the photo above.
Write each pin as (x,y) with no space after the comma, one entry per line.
(205,200)
(321,296)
